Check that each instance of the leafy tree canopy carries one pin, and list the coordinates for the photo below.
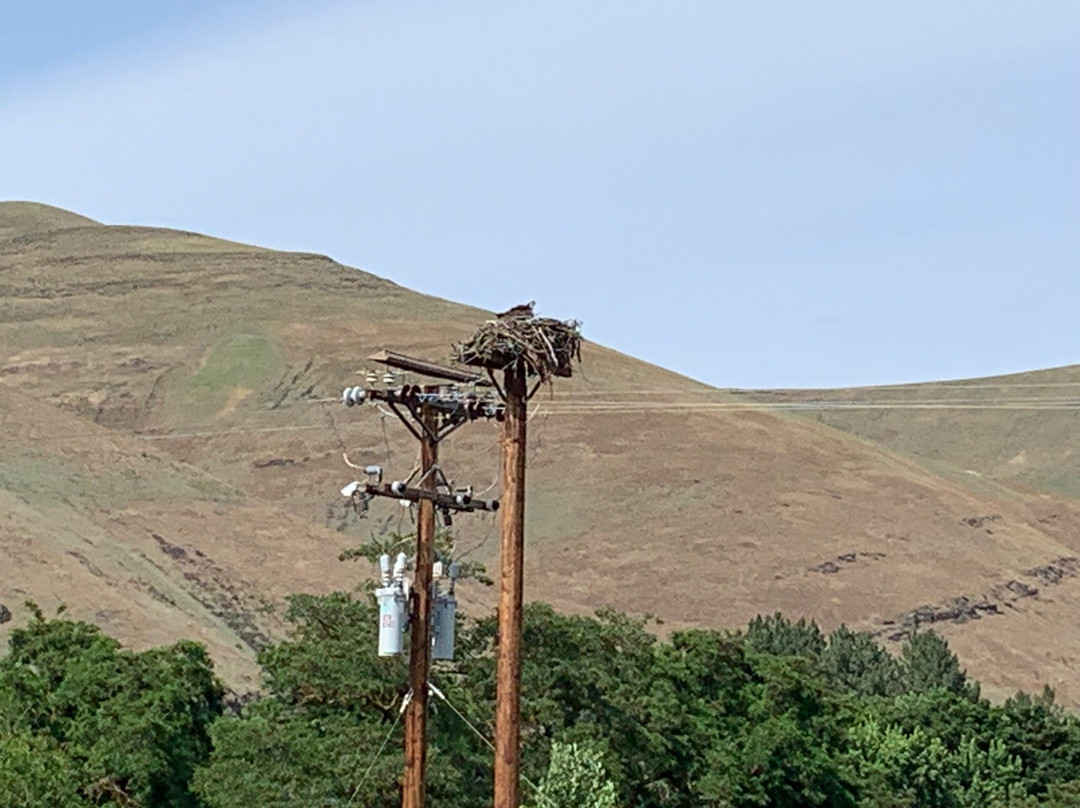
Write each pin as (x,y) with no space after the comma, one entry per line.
(780,715)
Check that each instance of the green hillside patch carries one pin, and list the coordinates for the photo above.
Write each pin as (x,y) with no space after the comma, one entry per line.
(42,482)
(235,368)
(1065,482)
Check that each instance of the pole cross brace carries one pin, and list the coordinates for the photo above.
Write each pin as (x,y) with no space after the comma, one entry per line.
(454,407)
(444,502)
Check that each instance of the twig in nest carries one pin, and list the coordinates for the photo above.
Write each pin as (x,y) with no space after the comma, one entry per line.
(547,347)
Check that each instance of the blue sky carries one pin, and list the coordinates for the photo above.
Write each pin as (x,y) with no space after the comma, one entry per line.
(755,194)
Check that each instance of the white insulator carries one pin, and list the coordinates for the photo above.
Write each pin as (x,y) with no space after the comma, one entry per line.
(353,395)
(443,618)
(398,487)
(374,471)
(350,489)
(384,569)
(392,604)
(400,565)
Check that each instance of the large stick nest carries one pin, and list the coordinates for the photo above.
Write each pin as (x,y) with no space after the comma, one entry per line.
(546,347)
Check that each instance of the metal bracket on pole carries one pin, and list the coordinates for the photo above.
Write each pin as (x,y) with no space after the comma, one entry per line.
(495,382)
(453,502)
(404,420)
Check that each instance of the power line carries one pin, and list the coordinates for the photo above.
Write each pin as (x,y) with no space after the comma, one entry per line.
(382,746)
(476,731)
(750,391)
(661,407)
(587,408)
(631,407)
(235,431)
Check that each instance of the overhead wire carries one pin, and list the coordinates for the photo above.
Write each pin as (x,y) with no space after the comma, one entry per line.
(337,435)
(374,758)
(614,406)
(772,390)
(660,406)
(476,731)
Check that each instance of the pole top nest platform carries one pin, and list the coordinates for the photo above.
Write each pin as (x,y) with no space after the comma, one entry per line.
(546,348)
(400,361)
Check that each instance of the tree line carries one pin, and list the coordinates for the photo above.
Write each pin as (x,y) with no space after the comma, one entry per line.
(779,714)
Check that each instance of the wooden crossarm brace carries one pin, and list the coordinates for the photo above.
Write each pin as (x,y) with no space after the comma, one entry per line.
(442,501)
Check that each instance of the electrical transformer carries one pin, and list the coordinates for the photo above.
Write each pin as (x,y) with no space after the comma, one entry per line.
(393,605)
(391,619)
(444,614)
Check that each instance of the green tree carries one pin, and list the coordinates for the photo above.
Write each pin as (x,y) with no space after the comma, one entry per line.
(331,703)
(927,663)
(855,661)
(35,773)
(132,727)
(279,757)
(782,747)
(921,771)
(909,768)
(701,720)
(1044,736)
(576,778)
(777,635)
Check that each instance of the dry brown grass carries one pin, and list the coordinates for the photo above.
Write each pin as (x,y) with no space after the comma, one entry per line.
(167,469)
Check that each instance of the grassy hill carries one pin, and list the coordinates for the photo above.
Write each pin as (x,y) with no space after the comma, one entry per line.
(173,456)
(1022,429)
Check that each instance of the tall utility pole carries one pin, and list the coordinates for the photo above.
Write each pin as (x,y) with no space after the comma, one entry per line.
(521,345)
(508,671)
(420,635)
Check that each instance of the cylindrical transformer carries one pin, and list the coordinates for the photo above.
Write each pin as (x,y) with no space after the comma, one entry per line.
(391,619)
(444,614)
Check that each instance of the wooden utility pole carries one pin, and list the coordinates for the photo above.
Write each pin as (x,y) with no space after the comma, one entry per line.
(412,794)
(508,672)
(521,345)
(430,412)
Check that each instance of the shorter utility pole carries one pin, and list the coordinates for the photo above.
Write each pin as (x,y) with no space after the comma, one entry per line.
(431,412)
(413,786)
